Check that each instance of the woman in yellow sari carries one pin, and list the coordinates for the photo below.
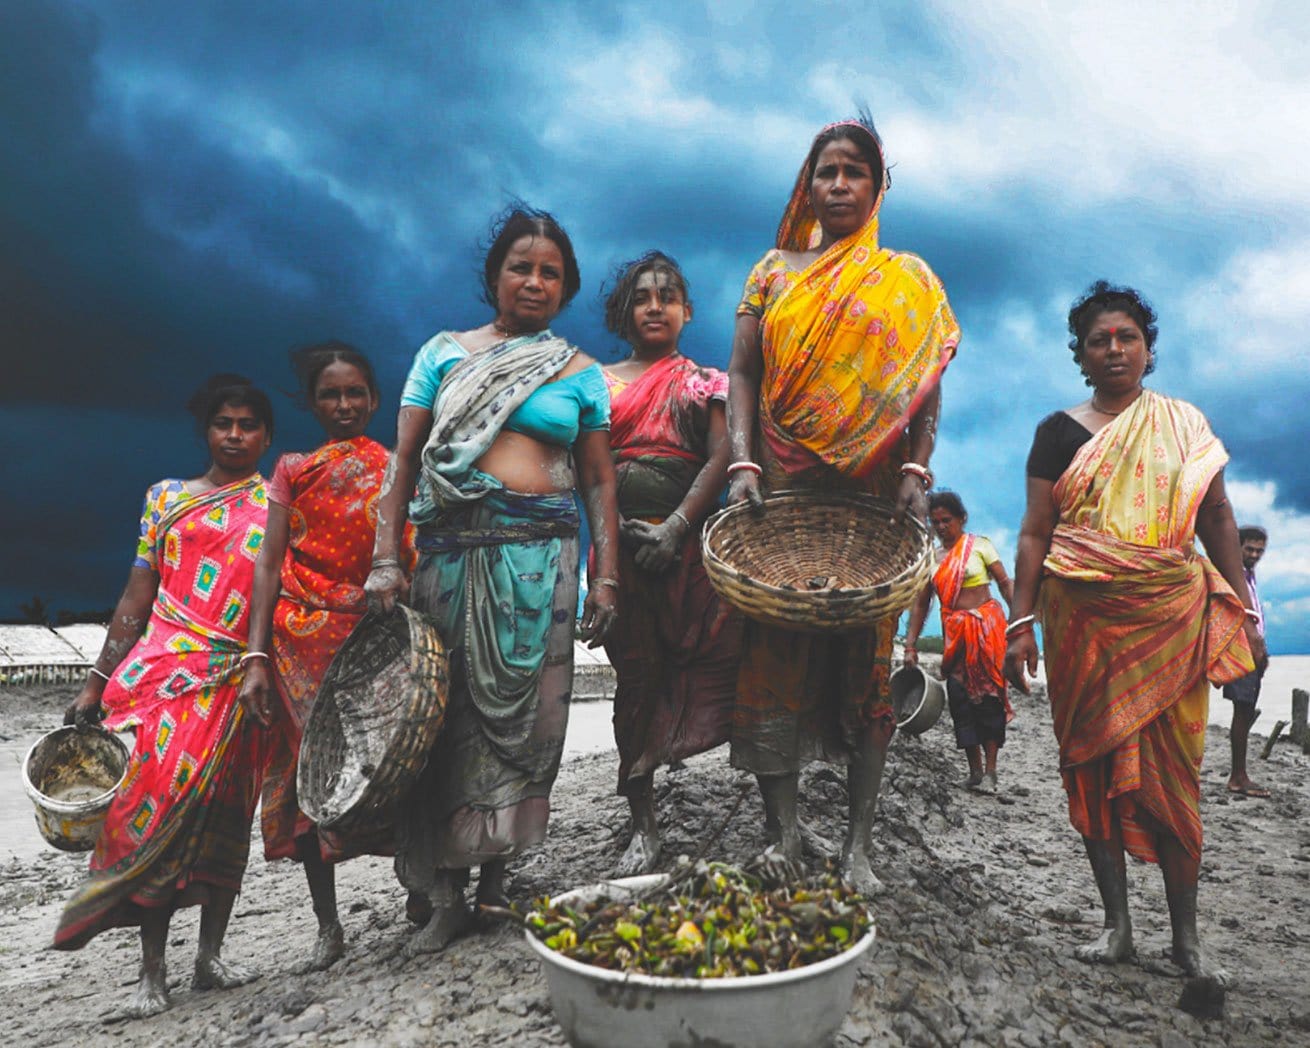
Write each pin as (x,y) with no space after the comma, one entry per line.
(837,355)
(1136,624)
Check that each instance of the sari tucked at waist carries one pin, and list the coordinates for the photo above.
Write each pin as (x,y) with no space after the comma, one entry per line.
(851,345)
(331,499)
(1136,625)
(181,818)
(498,572)
(675,682)
(973,638)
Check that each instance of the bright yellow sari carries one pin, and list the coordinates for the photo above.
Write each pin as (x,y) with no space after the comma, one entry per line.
(1137,625)
(852,346)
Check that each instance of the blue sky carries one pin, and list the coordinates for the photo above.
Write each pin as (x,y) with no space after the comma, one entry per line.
(187,188)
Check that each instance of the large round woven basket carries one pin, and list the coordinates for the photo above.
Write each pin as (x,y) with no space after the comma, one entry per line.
(373,722)
(817,561)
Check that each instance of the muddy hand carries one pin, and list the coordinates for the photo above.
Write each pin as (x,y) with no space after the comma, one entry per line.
(384,586)
(660,544)
(255,693)
(599,613)
(85,712)
(745,487)
(1021,653)
(911,499)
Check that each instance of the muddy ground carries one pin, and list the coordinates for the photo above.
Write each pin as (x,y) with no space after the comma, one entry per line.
(985,898)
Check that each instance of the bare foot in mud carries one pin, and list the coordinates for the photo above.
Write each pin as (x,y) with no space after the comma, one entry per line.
(1113,946)
(1186,953)
(817,846)
(446,924)
(214,973)
(330,947)
(151,995)
(491,885)
(418,909)
(856,871)
(641,855)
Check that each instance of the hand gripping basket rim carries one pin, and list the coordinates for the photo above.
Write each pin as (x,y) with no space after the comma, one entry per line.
(410,740)
(816,611)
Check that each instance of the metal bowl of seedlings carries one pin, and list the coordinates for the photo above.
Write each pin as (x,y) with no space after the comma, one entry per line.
(710,955)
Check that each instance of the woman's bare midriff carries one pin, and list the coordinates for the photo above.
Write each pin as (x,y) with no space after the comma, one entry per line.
(971,597)
(524,464)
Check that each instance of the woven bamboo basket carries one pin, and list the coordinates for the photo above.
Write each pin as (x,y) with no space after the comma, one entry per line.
(817,562)
(374,720)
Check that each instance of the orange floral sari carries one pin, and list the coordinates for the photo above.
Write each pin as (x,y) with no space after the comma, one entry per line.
(331,498)
(973,638)
(1137,625)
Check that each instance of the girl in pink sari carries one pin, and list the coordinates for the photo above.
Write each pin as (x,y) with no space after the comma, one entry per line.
(178,830)
(675,648)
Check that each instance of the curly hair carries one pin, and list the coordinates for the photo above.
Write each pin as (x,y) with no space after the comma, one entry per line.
(1104,297)
(308,363)
(949,501)
(619,299)
(517,221)
(228,388)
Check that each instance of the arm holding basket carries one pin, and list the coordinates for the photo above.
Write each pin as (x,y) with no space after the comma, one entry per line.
(745,369)
(387,583)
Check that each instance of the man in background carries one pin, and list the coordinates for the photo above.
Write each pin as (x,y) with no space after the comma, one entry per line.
(1244,693)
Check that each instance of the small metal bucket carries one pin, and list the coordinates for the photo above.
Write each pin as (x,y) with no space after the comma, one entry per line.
(71,777)
(917,699)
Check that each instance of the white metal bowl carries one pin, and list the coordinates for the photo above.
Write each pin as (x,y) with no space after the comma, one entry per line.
(598,1008)
(71,777)
(917,699)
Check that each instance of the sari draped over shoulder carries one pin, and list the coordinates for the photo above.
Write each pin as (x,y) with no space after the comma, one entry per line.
(331,497)
(675,680)
(498,573)
(851,345)
(180,821)
(1137,625)
(973,638)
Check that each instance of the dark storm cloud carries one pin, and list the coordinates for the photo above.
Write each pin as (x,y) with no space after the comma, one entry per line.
(205,187)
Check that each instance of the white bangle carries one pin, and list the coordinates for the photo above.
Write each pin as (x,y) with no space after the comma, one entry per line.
(251,655)
(754,467)
(1251,614)
(1017,623)
(922,472)
(101,674)
(682,517)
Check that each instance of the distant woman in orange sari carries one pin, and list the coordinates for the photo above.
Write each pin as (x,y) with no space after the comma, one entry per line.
(973,634)
(834,385)
(178,831)
(675,647)
(1136,624)
(309,595)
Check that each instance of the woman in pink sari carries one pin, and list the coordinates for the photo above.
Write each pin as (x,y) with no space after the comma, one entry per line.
(675,648)
(178,830)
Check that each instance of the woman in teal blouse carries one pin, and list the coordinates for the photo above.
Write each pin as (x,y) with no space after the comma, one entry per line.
(493,423)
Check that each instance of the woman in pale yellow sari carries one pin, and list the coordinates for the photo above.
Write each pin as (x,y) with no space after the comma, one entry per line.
(1136,624)
(838,352)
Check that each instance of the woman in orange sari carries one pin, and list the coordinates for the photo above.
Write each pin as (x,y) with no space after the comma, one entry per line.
(675,648)
(178,830)
(973,632)
(837,357)
(1136,624)
(309,594)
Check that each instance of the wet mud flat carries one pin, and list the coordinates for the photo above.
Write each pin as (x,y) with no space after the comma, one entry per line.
(984,899)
